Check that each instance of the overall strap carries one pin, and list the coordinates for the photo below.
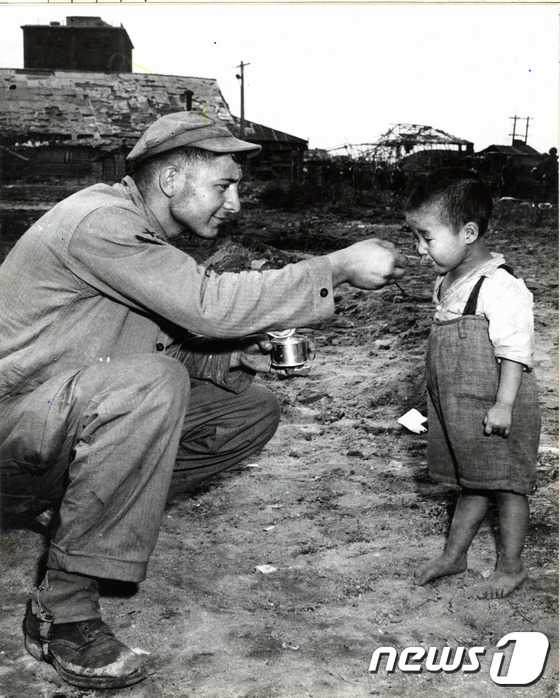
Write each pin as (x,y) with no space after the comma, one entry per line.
(470,306)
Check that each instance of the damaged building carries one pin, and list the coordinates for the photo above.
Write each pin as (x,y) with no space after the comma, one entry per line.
(404,152)
(81,125)
(76,108)
(419,148)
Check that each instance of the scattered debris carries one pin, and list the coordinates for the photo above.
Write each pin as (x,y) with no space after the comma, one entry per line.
(413,421)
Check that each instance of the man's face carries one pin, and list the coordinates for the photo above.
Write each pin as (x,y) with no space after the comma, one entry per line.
(205,194)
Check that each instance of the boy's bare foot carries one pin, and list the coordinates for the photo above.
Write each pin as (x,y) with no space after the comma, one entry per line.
(502,582)
(439,567)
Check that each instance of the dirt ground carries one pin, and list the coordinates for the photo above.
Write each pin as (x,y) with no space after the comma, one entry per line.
(339,505)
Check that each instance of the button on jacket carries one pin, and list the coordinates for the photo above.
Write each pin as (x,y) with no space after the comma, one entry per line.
(96,278)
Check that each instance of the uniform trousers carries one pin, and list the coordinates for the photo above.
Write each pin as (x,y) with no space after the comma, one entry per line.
(111,443)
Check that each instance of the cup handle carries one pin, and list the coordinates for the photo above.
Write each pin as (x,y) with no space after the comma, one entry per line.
(310,349)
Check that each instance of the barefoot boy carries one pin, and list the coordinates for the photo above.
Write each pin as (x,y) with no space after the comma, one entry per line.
(483,413)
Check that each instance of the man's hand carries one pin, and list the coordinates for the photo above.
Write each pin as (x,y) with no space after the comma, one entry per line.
(369,264)
(253,353)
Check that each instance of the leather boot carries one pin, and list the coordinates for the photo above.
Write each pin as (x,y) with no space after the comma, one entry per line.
(84,653)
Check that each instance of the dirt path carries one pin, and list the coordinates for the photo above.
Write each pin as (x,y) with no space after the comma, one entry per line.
(340,506)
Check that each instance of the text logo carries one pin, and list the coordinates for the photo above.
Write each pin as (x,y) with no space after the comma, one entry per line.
(526,664)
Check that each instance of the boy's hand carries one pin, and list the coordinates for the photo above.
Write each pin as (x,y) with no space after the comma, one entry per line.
(499,416)
(498,420)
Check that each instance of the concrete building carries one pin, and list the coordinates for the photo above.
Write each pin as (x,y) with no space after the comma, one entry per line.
(83,43)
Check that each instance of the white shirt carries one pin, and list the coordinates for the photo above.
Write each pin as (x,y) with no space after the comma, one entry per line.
(504,300)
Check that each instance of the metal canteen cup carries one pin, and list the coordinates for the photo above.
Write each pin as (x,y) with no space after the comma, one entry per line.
(290,352)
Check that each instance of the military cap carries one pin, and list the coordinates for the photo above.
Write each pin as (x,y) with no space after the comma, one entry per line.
(189,128)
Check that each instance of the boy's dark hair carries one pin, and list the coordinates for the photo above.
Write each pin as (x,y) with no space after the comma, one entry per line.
(460,195)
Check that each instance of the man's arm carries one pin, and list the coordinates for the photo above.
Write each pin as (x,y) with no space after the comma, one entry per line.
(108,253)
(369,264)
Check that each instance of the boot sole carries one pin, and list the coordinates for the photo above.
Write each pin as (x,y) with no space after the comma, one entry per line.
(36,651)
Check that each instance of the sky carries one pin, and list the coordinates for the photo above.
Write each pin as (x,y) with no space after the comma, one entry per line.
(346,74)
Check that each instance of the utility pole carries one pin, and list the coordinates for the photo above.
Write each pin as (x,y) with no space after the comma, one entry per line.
(527,129)
(515,118)
(241,77)
(513,134)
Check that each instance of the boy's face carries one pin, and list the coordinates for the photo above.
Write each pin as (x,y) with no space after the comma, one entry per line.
(436,242)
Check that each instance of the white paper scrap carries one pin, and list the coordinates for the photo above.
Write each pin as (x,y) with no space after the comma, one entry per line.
(265,569)
(413,421)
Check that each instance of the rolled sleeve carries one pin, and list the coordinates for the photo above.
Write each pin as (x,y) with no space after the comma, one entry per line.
(508,305)
(113,251)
